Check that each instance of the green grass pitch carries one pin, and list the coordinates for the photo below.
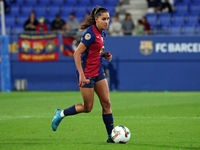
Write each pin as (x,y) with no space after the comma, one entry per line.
(157,121)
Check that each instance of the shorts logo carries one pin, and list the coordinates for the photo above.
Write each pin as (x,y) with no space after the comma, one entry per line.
(87,36)
(146,47)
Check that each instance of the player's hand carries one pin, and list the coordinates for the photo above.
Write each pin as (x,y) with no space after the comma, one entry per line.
(108,56)
(82,81)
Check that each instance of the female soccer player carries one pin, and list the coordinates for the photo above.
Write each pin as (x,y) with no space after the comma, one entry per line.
(90,72)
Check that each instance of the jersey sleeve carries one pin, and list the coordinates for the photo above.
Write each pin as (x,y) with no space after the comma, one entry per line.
(88,38)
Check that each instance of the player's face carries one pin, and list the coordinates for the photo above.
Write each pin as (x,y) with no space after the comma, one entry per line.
(102,21)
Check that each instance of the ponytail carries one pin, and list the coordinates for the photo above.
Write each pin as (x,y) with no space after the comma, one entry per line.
(96,12)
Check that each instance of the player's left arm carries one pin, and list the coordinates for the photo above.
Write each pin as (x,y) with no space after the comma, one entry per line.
(107,56)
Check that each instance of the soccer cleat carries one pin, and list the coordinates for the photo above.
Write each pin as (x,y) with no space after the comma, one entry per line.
(56,119)
(109,139)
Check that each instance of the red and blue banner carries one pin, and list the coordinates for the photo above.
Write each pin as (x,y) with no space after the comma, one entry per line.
(70,42)
(38,48)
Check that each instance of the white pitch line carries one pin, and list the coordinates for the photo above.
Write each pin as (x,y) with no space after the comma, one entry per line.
(129,117)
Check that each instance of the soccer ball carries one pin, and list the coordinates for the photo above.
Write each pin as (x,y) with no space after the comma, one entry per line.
(120,134)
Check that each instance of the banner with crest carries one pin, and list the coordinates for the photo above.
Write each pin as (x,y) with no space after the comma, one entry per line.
(38,48)
(70,43)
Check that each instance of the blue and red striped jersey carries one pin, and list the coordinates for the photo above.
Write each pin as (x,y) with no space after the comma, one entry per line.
(91,59)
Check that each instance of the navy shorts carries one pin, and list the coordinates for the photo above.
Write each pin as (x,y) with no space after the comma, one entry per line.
(92,80)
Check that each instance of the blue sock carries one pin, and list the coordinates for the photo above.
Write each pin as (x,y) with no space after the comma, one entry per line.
(70,111)
(108,121)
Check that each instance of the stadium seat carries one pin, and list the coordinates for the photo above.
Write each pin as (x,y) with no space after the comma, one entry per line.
(15,10)
(44,2)
(80,11)
(18,29)
(49,19)
(9,21)
(40,11)
(111,10)
(54,10)
(192,19)
(98,2)
(195,9)
(111,2)
(152,19)
(80,19)
(84,2)
(196,1)
(21,20)
(26,10)
(31,2)
(20,2)
(58,2)
(178,19)
(198,29)
(164,19)
(8,29)
(175,30)
(189,29)
(72,2)
(181,9)
(66,10)
(186,1)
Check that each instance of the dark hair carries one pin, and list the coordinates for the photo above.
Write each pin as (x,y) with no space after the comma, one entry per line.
(140,21)
(96,12)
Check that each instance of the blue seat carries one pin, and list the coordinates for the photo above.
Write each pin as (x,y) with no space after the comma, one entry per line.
(111,10)
(182,8)
(98,2)
(178,19)
(186,1)
(49,19)
(195,8)
(72,2)
(59,2)
(189,29)
(10,21)
(26,9)
(8,29)
(20,2)
(21,20)
(54,10)
(112,2)
(192,19)
(31,2)
(15,10)
(165,19)
(44,2)
(198,29)
(66,10)
(175,30)
(84,2)
(18,29)
(196,1)
(80,11)
(152,19)
(40,11)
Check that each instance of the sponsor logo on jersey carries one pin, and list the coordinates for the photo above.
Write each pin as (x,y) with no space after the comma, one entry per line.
(87,36)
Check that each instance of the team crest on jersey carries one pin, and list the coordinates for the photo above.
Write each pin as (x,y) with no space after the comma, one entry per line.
(146,47)
(87,36)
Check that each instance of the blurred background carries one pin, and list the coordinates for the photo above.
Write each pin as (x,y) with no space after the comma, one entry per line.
(154,43)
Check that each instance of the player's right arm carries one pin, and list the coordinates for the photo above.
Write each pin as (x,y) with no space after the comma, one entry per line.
(77,58)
